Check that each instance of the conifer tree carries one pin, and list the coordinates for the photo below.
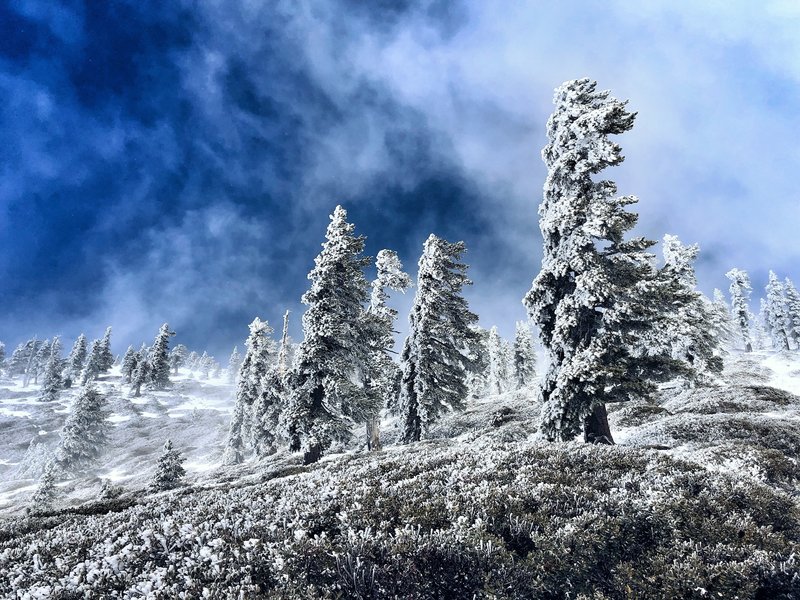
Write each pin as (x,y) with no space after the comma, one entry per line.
(29,354)
(259,352)
(499,362)
(19,359)
(85,431)
(205,365)
(326,399)
(690,332)
(77,358)
(159,358)
(382,372)
(721,319)
(598,298)
(524,356)
(178,357)
(793,311)
(283,351)
(46,493)
(234,364)
(740,304)
(93,366)
(193,361)
(51,381)
(39,362)
(437,352)
(128,364)
(141,373)
(2,356)
(777,315)
(106,357)
(169,470)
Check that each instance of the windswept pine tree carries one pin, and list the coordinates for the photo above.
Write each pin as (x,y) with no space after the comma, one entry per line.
(740,305)
(39,362)
(52,383)
(193,360)
(259,352)
(689,333)
(205,364)
(777,321)
(793,311)
(721,319)
(283,351)
(178,357)
(128,364)
(524,356)
(382,372)
(85,431)
(234,364)
(598,298)
(159,358)
(2,356)
(500,357)
(76,359)
(169,470)
(141,373)
(46,493)
(436,354)
(326,397)
(106,357)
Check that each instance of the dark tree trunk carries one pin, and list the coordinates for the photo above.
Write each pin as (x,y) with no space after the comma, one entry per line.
(595,427)
(374,433)
(313,454)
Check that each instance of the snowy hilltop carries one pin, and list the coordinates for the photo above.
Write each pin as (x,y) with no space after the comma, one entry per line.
(636,439)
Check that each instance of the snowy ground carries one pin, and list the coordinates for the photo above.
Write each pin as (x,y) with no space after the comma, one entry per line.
(728,428)
(194,414)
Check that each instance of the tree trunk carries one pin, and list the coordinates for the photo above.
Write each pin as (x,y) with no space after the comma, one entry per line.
(313,454)
(374,433)
(595,427)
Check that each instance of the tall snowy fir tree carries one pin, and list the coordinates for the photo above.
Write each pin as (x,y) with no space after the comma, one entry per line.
(106,357)
(793,311)
(597,298)
(326,397)
(38,362)
(234,364)
(85,431)
(178,357)
(524,356)
(169,470)
(740,291)
(52,383)
(259,353)
(499,362)
(141,372)
(722,320)
(159,358)
(205,365)
(382,372)
(690,333)
(76,359)
(777,315)
(46,492)
(283,351)
(436,354)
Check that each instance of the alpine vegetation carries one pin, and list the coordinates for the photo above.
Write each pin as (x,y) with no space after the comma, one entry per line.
(326,396)
(129,364)
(76,359)
(598,299)
(777,320)
(381,373)
(52,382)
(159,358)
(95,364)
(793,310)
(436,354)
(234,364)
(259,353)
(740,300)
(169,470)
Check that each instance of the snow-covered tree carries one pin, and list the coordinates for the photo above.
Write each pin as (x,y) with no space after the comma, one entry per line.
(106,357)
(19,358)
(85,431)
(259,353)
(76,359)
(52,383)
(2,356)
(499,362)
(159,358)
(38,362)
(793,311)
(94,364)
(283,351)
(598,298)
(129,364)
(178,357)
(477,380)
(689,333)
(45,494)
(740,304)
(436,354)
(381,373)
(721,321)
(326,397)
(109,490)
(778,322)
(169,470)
(524,356)
(193,361)
(234,364)
(141,372)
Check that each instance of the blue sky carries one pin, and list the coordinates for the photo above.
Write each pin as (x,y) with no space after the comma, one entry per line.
(177,161)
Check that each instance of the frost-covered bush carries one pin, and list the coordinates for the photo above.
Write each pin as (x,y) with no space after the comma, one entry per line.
(732,399)
(434,520)
(634,414)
